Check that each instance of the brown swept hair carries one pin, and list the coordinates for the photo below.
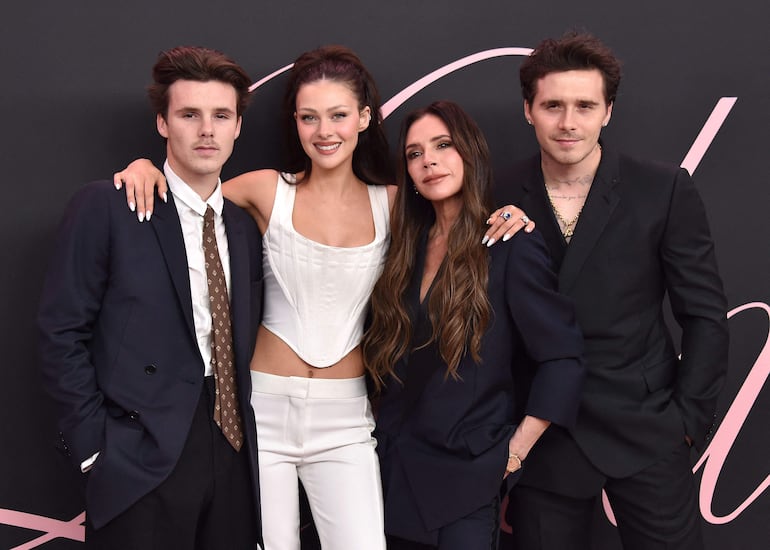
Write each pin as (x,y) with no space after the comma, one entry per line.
(197,64)
(573,51)
(458,306)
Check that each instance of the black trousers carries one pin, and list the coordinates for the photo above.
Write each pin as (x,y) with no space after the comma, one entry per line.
(206,503)
(477,531)
(655,509)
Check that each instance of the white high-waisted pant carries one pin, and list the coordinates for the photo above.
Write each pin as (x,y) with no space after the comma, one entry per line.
(320,431)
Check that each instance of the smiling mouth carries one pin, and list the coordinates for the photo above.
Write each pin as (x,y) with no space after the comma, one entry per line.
(328,148)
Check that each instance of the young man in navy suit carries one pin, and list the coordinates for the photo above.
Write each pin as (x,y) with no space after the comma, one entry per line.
(128,317)
(622,233)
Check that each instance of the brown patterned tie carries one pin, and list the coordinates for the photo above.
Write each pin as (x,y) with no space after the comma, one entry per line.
(226,413)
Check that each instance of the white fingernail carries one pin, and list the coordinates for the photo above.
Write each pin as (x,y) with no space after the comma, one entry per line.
(140,215)
(484,240)
(131,206)
(490,242)
(506,237)
(117,185)
(164,196)
(149,215)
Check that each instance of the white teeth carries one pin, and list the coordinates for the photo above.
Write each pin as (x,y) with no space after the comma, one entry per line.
(328,147)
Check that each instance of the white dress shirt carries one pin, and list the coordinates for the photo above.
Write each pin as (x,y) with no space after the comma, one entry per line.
(191,209)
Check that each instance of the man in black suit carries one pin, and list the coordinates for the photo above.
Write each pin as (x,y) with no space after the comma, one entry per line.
(622,233)
(149,408)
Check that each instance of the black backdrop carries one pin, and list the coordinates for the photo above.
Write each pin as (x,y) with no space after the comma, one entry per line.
(74,109)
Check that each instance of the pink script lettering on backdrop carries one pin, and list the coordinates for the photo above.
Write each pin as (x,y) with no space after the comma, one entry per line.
(50,527)
(714,456)
(75,530)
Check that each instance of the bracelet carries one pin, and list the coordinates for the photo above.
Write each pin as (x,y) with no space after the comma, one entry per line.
(518,461)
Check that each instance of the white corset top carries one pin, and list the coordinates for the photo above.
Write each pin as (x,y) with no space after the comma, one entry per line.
(316,296)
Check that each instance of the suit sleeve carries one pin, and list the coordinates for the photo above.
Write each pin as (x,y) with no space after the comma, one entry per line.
(69,306)
(699,306)
(546,321)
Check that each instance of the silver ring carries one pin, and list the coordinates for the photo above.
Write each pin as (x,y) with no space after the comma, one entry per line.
(525,219)
(505,215)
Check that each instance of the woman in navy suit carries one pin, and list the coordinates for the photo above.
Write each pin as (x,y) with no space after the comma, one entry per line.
(471,349)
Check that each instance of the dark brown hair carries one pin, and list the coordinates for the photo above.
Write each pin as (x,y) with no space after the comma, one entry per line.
(458,306)
(573,51)
(371,158)
(198,64)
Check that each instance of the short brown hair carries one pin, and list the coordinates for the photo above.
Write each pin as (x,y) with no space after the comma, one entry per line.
(197,64)
(573,51)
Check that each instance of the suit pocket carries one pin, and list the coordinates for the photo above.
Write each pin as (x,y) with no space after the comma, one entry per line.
(481,439)
(660,375)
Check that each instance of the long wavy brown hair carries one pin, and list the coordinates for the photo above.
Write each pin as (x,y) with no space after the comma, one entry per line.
(458,306)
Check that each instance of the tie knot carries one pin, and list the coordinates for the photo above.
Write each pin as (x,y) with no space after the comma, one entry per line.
(208,217)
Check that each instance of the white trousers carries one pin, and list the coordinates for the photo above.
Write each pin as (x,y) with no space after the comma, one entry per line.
(318,431)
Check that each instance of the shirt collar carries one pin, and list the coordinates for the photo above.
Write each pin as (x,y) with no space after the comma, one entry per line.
(190,198)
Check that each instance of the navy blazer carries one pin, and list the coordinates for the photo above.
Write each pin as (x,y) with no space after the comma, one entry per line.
(118,347)
(642,234)
(443,443)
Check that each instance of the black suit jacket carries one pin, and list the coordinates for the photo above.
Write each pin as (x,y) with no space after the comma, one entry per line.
(443,443)
(642,233)
(118,347)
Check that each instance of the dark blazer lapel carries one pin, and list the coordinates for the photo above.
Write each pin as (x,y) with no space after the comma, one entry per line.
(535,203)
(423,362)
(165,222)
(600,203)
(239,282)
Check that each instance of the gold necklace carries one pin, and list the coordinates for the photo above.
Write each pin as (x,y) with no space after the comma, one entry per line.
(569,226)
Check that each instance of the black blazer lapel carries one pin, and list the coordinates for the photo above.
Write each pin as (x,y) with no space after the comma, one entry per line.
(240,282)
(423,362)
(165,222)
(535,203)
(600,203)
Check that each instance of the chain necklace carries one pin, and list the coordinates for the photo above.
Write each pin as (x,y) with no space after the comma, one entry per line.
(569,226)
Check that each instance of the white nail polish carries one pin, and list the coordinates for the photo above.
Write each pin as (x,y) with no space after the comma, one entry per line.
(484,240)
(131,206)
(506,237)
(490,242)
(149,215)
(164,196)
(140,215)
(117,185)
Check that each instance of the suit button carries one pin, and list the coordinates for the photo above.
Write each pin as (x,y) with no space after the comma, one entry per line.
(134,415)
(150,369)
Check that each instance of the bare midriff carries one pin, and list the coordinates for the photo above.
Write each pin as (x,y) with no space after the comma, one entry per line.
(273,356)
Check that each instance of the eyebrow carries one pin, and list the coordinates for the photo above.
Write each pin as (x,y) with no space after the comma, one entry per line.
(335,108)
(561,101)
(431,140)
(198,110)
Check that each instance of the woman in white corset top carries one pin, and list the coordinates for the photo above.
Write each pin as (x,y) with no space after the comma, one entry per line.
(325,227)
